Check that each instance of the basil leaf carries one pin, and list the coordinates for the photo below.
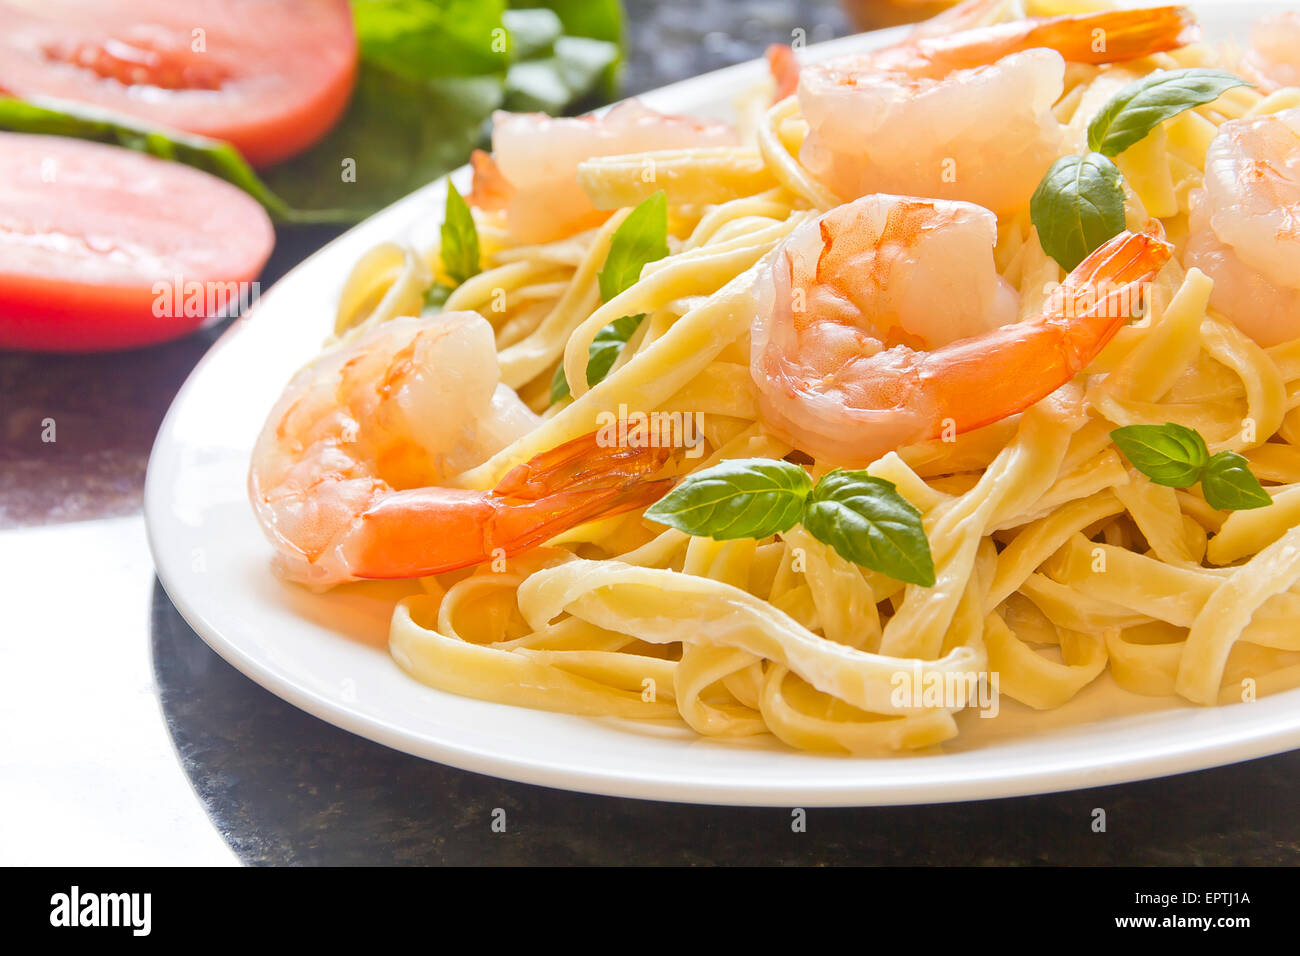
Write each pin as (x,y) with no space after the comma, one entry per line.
(1077,207)
(1143,105)
(641,238)
(868,522)
(435,297)
(1168,454)
(535,86)
(583,62)
(601,354)
(560,385)
(532,32)
(554,83)
(427,39)
(597,19)
(422,99)
(60,118)
(460,247)
(396,136)
(607,345)
(1230,485)
(741,498)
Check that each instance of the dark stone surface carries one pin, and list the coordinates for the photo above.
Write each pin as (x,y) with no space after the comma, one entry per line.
(284,787)
(672,40)
(106,410)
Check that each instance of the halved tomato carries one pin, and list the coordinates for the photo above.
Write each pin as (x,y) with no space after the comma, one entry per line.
(270,76)
(105,248)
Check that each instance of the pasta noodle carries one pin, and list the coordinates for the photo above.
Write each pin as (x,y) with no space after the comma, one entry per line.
(1055,560)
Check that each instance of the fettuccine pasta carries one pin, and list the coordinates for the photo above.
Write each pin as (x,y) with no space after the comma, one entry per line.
(1057,562)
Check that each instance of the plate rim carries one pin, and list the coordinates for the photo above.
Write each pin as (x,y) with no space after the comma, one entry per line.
(1242,741)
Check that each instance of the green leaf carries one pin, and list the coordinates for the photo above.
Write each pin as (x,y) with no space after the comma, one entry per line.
(1077,207)
(607,345)
(59,118)
(641,238)
(422,100)
(460,246)
(532,32)
(556,82)
(601,355)
(560,384)
(429,39)
(597,19)
(395,136)
(868,522)
(435,297)
(536,86)
(582,63)
(1143,105)
(741,498)
(1169,454)
(1230,485)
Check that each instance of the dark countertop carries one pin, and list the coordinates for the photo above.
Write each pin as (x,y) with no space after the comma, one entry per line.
(284,787)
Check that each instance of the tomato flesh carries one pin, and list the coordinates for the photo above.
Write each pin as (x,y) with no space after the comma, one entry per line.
(104,248)
(269,76)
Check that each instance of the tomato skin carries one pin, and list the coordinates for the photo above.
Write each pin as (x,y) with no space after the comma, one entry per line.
(270,76)
(36,317)
(103,248)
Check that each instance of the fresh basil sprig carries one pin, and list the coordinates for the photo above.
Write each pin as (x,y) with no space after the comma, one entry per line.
(740,498)
(460,246)
(549,71)
(640,239)
(1143,105)
(1230,485)
(868,522)
(863,518)
(1169,454)
(1078,206)
(1176,456)
(601,354)
(607,345)
(1080,202)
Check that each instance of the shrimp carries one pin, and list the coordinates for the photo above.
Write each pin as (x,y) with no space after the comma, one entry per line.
(784,67)
(533,171)
(1273,59)
(965,115)
(880,324)
(348,475)
(1244,227)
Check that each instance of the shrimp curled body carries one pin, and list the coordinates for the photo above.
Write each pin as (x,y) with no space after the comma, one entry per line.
(1273,59)
(532,171)
(1244,228)
(347,474)
(964,115)
(883,322)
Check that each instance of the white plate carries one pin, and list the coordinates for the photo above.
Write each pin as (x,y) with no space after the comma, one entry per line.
(327,654)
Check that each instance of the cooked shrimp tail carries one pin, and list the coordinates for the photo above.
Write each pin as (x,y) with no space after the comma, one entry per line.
(886,323)
(984,379)
(351,476)
(1107,37)
(1115,35)
(431,530)
(784,66)
(491,190)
